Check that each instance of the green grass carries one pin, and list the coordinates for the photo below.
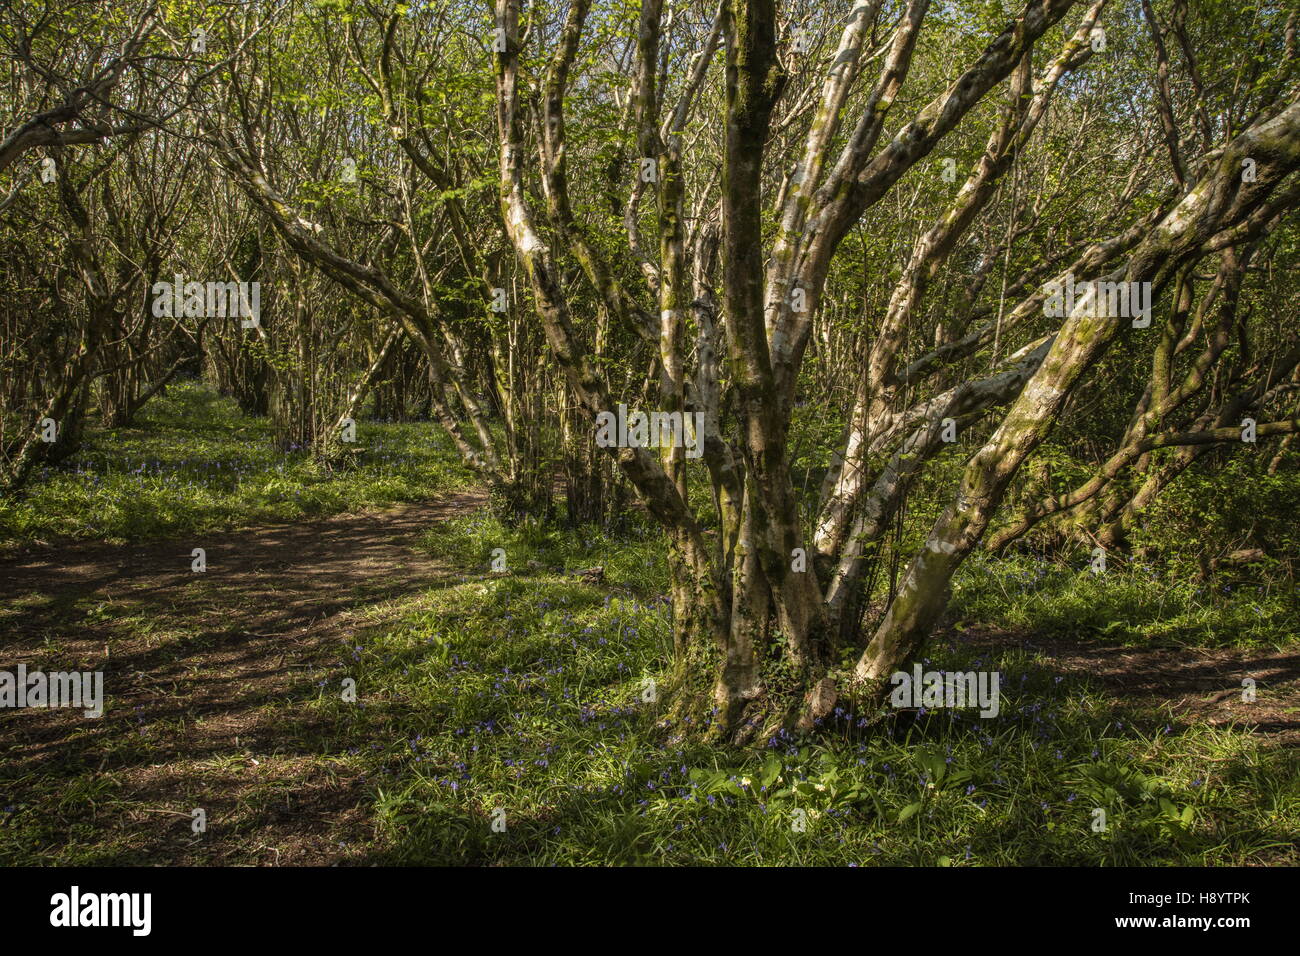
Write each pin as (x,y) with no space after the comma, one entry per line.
(194,463)
(528,693)
(1135,604)
(524,693)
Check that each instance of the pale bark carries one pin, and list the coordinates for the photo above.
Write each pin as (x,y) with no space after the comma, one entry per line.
(1219,201)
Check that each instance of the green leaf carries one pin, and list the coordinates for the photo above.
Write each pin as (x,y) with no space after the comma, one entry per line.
(908,811)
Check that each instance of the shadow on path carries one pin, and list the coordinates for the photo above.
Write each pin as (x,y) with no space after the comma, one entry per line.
(205,675)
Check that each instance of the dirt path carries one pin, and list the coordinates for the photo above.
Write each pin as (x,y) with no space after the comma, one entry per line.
(1192,684)
(204,674)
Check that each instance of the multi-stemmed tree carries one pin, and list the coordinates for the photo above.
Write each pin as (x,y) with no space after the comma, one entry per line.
(838,226)
(774,247)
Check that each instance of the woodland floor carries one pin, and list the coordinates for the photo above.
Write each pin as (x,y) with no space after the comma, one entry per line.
(220,658)
(212,668)
(1194,684)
